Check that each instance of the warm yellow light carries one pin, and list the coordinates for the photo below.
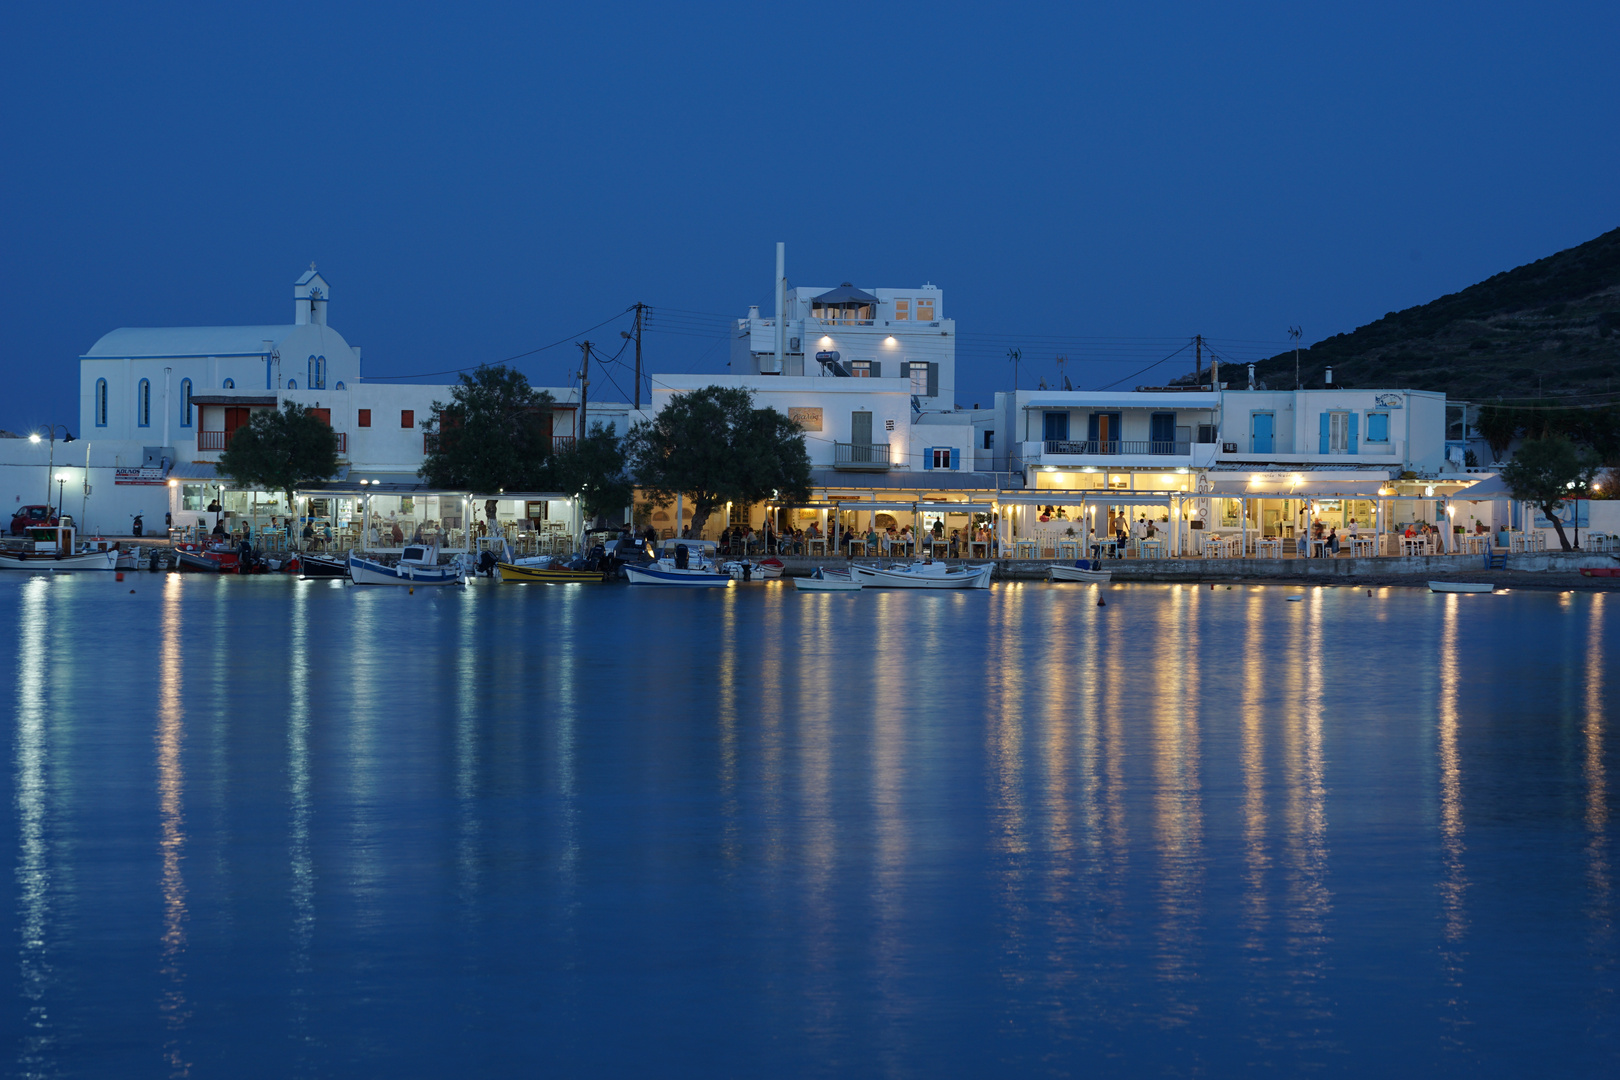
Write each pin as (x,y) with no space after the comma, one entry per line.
(174,483)
(889,341)
(34,438)
(1298,479)
(825,341)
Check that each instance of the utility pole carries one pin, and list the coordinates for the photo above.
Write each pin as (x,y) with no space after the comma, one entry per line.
(639,308)
(1198,359)
(1294,332)
(584,390)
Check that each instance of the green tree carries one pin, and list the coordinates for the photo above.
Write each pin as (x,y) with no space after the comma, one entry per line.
(712,446)
(594,468)
(280,450)
(1547,472)
(1498,424)
(494,434)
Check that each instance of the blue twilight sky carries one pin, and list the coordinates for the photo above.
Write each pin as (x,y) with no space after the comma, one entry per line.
(476,181)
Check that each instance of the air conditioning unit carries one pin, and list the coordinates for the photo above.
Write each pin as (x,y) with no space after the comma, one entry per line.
(1228,447)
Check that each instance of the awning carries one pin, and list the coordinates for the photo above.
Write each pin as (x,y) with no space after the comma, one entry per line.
(1082,399)
(1282,488)
(1094,497)
(233,399)
(194,470)
(1492,488)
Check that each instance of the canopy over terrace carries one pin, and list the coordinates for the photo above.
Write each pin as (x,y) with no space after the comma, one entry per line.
(383,511)
(831,512)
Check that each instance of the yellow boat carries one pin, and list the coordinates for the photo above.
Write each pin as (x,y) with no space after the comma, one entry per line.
(513,574)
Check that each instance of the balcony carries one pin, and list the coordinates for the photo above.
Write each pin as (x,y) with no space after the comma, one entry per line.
(1119,447)
(213,440)
(861,457)
(560,443)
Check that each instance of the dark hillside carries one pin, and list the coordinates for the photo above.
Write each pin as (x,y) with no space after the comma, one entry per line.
(1548,329)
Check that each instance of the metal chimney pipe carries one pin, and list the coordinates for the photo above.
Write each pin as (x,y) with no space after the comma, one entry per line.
(781,307)
(1251,376)
(1328,380)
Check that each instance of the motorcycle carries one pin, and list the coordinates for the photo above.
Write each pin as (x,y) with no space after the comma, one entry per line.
(135,529)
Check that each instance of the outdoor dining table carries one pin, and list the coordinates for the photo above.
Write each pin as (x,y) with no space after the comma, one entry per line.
(1106,548)
(1068,549)
(1024,549)
(1362,546)
(981,546)
(1415,545)
(1151,549)
(813,543)
(1268,549)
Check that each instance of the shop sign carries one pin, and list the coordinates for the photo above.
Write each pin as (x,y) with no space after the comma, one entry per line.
(151,477)
(808,419)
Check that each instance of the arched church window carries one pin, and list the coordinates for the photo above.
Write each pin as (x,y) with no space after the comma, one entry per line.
(317,373)
(292,384)
(229,384)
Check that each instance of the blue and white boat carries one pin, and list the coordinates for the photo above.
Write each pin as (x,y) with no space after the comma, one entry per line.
(688,563)
(417,566)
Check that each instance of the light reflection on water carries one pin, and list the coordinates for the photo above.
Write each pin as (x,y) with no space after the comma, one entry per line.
(602,829)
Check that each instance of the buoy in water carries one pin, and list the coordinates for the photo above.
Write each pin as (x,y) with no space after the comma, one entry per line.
(1101,602)
(412,591)
(119,576)
(132,592)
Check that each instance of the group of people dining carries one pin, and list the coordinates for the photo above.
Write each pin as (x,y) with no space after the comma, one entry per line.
(889,539)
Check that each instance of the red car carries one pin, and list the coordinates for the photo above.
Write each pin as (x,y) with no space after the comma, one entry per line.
(32,517)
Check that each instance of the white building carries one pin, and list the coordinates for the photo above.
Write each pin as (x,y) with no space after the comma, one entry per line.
(844,331)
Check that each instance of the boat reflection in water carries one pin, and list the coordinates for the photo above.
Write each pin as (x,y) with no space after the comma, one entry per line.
(969,833)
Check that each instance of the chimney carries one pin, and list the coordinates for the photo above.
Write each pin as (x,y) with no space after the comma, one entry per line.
(1327,380)
(1251,376)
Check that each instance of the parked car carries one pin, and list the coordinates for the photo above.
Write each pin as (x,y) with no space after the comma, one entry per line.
(32,517)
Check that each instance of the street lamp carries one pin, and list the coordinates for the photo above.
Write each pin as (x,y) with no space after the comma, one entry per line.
(67,437)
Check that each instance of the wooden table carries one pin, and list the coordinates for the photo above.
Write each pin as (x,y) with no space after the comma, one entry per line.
(1151,549)
(1414,545)
(1024,549)
(983,547)
(814,542)
(1362,546)
(1268,549)
(1068,549)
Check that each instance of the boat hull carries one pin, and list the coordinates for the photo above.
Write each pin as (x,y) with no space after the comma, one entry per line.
(1075,573)
(976,577)
(1461,587)
(651,575)
(367,572)
(88,560)
(826,584)
(515,575)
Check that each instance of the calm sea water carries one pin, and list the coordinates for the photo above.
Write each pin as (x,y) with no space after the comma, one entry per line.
(268,828)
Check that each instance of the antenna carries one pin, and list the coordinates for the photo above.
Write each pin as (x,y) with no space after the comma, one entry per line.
(1294,332)
(1015,355)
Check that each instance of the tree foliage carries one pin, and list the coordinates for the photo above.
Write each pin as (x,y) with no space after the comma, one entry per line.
(1548,471)
(494,434)
(594,467)
(280,450)
(712,446)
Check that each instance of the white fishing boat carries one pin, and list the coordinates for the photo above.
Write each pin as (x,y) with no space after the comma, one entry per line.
(923,575)
(820,582)
(417,566)
(1461,586)
(54,548)
(1083,570)
(684,563)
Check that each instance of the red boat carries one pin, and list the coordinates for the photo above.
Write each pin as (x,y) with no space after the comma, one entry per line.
(1601,572)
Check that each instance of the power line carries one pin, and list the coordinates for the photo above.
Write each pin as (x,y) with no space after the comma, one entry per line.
(453,371)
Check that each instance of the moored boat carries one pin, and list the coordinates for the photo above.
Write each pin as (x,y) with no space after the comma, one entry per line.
(689,563)
(1083,570)
(517,573)
(820,582)
(54,548)
(923,575)
(417,566)
(1461,586)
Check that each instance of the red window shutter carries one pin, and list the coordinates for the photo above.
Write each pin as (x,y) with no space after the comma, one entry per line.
(325,415)
(365,417)
(407,418)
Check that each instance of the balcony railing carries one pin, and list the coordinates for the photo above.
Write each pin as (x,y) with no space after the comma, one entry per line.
(212,440)
(559,443)
(1119,447)
(342,441)
(872,457)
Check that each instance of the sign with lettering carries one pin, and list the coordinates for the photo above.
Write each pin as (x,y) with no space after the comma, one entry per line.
(1389,401)
(808,419)
(138,476)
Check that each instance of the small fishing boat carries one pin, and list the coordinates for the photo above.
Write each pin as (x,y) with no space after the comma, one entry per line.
(417,566)
(687,563)
(1601,571)
(54,548)
(1083,570)
(769,569)
(819,582)
(517,573)
(1460,586)
(316,566)
(923,575)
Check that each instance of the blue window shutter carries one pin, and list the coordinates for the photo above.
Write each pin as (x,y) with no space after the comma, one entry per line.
(928,457)
(933,380)
(1355,423)
(877,369)
(1324,433)
(1091,428)
(956,458)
